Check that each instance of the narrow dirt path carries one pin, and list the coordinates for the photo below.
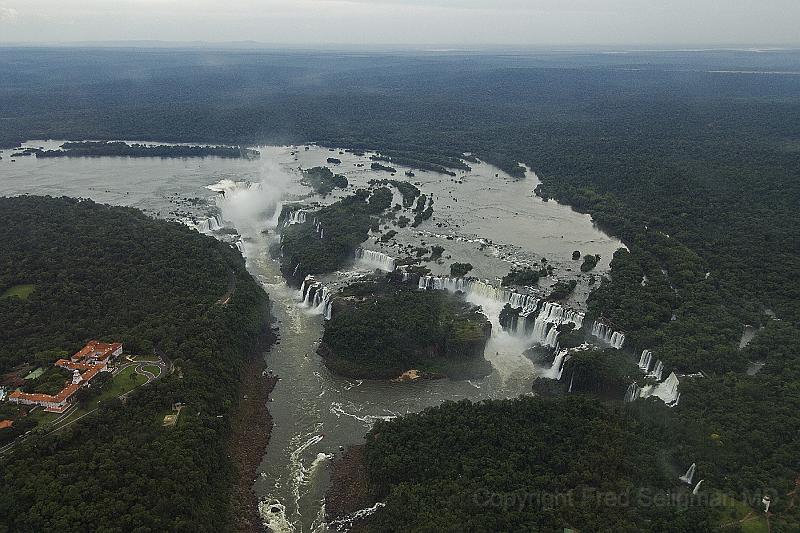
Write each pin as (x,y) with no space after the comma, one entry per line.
(231,289)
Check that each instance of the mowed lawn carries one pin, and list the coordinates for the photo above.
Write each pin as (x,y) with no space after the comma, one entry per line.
(125,381)
(18,291)
(153,369)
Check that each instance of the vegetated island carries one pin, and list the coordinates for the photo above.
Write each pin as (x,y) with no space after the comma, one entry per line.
(328,238)
(323,180)
(123,149)
(385,330)
(158,287)
(384,168)
(440,164)
(408,190)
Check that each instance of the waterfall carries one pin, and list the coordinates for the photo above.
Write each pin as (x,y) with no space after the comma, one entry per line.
(645,359)
(552,336)
(657,371)
(617,338)
(298,216)
(687,477)
(540,319)
(305,288)
(480,289)
(697,487)
(571,380)
(206,225)
(557,368)
(316,297)
(550,316)
(604,332)
(666,391)
(377,260)
(632,393)
(319,229)
(240,246)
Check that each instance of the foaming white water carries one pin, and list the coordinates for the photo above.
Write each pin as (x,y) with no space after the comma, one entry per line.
(538,320)
(375,260)
(555,371)
(273,515)
(338,410)
(316,297)
(351,384)
(605,332)
(252,207)
(299,472)
(344,524)
(667,391)
(645,360)
(506,354)
(505,351)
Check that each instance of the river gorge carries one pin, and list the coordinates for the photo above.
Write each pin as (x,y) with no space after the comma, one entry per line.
(482,216)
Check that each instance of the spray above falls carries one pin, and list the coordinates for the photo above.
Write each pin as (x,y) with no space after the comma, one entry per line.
(250,207)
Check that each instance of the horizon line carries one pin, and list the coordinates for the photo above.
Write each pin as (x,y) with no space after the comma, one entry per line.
(434,47)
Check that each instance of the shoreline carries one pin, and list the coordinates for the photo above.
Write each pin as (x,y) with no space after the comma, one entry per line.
(349,490)
(251,429)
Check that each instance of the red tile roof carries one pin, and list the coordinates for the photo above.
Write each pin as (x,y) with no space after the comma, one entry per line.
(66,363)
(62,395)
(100,351)
(6,424)
(97,349)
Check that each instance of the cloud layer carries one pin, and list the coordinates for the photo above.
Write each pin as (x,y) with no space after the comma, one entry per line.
(459,22)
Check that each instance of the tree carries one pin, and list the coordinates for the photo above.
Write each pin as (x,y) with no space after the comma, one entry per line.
(458,270)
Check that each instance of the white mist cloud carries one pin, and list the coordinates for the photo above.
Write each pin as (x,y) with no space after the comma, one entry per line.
(8,14)
(253,207)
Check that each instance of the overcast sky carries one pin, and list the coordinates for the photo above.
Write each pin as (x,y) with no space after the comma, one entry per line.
(456,22)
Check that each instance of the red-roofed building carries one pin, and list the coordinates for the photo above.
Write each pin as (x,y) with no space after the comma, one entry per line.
(6,424)
(85,364)
(96,352)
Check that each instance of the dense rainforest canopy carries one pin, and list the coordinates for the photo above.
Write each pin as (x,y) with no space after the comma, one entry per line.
(381,329)
(116,274)
(525,465)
